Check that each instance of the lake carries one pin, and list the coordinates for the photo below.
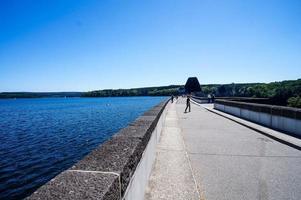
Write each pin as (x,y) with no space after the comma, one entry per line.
(42,137)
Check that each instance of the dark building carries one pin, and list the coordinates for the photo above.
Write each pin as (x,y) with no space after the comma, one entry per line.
(192,85)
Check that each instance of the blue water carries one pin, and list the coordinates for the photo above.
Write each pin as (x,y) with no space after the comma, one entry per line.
(39,138)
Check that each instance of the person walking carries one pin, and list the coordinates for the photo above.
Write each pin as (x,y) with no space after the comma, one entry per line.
(209,98)
(172,98)
(212,98)
(187,104)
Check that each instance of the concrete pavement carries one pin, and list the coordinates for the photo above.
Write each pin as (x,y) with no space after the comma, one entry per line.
(171,177)
(202,155)
(274,134)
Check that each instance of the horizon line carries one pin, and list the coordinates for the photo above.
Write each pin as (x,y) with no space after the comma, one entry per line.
(202,84)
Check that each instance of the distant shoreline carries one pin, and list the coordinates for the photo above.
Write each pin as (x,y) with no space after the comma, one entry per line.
(148,91)
(284,93)
(29,95)
(2,98)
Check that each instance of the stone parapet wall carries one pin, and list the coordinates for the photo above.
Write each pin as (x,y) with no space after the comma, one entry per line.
(107,172)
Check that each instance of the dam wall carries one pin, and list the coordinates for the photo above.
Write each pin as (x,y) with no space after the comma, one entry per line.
(118,169)
(285,119)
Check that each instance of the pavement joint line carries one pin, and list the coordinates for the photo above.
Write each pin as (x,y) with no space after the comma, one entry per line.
(100,172)
(230,155)
(201,197)
(283,141)
(165,149)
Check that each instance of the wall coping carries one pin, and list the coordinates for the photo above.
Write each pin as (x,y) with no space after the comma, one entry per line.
(239,99)
(231,98)
(105,173)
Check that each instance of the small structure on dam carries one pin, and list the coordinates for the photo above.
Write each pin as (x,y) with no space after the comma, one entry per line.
(192,85)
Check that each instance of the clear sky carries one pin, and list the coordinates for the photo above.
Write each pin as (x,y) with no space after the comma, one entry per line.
(68,45)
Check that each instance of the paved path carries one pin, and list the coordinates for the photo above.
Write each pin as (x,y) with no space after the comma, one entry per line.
(172,176)
(202,155)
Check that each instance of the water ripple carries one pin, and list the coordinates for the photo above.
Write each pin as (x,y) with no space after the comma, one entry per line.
(42,137)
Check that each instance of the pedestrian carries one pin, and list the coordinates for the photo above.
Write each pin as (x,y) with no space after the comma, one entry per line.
(209,98)
(187,104)
(212,98)
(172,98)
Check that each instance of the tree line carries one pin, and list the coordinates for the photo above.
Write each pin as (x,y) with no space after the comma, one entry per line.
(11,95)
(147,91)
(279,93)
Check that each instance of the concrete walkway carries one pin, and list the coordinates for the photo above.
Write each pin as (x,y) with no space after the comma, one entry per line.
(171,177)
(202,155)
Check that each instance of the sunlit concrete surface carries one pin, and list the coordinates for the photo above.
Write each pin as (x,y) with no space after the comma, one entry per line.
(171,177)
(225,159)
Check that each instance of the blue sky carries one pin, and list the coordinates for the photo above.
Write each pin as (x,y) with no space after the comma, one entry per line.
(67,45)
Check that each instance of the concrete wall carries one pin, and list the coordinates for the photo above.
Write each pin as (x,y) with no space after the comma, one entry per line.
(139,181)
(239,99)
(117,169)
(200,99)
(277,117)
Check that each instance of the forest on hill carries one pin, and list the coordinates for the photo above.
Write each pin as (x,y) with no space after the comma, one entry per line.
(280,93)
(147,91)
(11,95)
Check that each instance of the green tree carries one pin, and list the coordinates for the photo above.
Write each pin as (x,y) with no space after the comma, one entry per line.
(294,102)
